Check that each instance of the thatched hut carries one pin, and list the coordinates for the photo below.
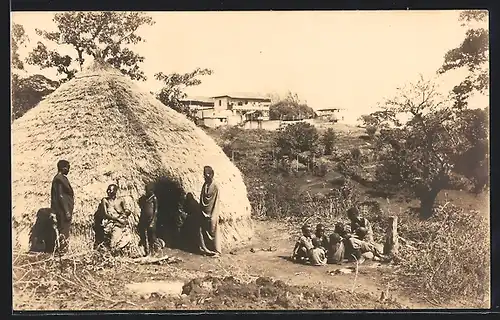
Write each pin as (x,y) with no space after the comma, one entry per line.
(112,132)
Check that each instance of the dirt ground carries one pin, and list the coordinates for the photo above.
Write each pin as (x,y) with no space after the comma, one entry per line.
(269,256)
(259,276)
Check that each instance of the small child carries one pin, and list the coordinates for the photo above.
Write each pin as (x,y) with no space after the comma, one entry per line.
(303,246)
(320,234)
(317,255)
(335,253)
(147,221)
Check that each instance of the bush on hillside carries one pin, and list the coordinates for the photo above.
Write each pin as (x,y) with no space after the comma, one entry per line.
(296,138)
(328,140)
(450,255)
(355,154)
(320,167)
(371,130)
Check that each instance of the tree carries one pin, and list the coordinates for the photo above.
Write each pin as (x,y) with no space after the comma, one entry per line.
(328,140)
(26,91)
(102,35)
(473,162)
(174,85)
(29,91)
(420,154)
(18,37)
(296,138)
(290,108)
(473,54)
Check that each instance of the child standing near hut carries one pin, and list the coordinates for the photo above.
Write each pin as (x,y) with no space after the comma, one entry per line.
(147,221)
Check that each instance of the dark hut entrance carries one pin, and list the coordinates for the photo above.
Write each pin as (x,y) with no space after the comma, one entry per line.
(177,213)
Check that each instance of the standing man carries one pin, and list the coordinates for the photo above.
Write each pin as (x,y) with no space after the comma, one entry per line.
(62,203)
(209,204)
(147,220)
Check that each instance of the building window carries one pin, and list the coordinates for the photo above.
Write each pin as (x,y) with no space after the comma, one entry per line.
(220,103)
(240,103)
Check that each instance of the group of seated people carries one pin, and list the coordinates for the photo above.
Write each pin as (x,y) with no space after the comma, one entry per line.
(353,242)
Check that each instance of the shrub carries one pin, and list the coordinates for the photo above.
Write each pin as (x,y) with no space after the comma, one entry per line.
(296,138)
(320,168)
(450,259)
(328,140)
(355,154)
(371,130)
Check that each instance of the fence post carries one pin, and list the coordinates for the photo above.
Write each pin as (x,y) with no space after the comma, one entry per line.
(391,245)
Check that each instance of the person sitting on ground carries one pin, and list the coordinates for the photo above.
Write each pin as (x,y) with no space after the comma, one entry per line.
(112,217)
(360,240)
(303,245)
(317,255)
(336,249)
(320,234)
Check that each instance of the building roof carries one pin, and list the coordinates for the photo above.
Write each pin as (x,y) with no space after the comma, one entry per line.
(211,116)
(244,95)
(198,99)
(254,108)
(329,109)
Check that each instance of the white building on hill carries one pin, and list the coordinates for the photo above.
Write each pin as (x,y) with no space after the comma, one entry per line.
(331,114)
(230,109)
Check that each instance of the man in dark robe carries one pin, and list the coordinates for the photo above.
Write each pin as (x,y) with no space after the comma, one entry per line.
(209,243)
(62,203)
(147,220)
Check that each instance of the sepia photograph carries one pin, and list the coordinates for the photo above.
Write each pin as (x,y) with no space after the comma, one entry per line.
(250,160)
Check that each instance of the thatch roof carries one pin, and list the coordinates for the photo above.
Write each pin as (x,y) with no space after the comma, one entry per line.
(111,131)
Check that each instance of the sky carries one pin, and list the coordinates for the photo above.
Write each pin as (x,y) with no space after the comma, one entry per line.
(350,59)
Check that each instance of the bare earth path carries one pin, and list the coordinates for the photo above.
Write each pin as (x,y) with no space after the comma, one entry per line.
(257,260)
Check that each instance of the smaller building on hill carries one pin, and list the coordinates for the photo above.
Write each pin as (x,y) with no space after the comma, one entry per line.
(199,105)
(330,114)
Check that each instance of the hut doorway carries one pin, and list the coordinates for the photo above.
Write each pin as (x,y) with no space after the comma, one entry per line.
(177,213)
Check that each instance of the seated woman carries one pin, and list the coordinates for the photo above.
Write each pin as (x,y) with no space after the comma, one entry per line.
(110,221)
(360,241)
(303,246)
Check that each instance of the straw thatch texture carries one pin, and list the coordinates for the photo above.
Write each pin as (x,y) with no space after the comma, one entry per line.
(112,132)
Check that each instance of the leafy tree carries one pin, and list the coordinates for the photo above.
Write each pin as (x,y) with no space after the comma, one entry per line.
(296,138)
(174,85)
(473,163)
(369,120)
(290,108)
(29,91)
(420,154)
(18,37)
(102,35)
(473,54)
(26,91)
(328,140)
